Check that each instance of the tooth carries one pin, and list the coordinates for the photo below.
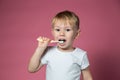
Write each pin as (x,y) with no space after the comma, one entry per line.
(53,41)
(61,41)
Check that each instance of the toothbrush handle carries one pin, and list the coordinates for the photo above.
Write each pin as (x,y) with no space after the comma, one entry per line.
(53,41)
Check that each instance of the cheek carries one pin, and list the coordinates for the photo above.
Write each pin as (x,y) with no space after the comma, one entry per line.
(54,35)
(71,37)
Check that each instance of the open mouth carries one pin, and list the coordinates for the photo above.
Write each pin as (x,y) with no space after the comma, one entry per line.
(62,40)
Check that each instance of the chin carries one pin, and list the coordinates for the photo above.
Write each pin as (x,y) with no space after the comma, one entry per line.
(63,47)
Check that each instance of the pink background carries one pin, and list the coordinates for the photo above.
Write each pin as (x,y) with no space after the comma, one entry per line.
(22,21)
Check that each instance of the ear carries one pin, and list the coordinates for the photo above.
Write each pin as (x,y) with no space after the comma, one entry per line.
(77,34)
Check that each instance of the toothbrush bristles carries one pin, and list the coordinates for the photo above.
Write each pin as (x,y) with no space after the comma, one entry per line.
(61,41)
(52,41)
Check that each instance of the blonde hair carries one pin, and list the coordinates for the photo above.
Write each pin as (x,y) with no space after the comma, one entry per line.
(67,16)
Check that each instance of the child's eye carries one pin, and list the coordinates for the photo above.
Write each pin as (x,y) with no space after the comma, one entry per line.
(57,29)
(67,30)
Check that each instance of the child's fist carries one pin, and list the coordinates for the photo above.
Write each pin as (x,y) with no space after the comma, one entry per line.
(43,41)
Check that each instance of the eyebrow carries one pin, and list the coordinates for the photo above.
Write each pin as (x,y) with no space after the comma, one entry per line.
(55,26)
(64,27)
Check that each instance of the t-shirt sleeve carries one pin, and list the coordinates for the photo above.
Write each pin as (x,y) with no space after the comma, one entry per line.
(85,62)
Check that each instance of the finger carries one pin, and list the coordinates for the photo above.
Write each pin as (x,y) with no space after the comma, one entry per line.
(40,39)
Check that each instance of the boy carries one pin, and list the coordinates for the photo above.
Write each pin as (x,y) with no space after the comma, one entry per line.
(64,61)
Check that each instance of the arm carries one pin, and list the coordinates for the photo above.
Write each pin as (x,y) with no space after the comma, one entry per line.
(34,63)
(87,74)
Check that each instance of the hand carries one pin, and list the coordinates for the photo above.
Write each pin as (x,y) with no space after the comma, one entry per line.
(43,41)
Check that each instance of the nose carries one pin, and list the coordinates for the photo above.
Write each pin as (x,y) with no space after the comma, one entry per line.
(62,33)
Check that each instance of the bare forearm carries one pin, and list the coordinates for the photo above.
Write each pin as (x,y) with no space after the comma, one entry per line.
(35,60)
(34,63)
(87,74)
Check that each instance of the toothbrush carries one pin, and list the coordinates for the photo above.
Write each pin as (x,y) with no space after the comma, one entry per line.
(52,41)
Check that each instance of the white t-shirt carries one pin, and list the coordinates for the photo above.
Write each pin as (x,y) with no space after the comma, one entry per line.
(64,65)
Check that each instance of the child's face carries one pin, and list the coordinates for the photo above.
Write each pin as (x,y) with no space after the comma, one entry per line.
(66,32)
